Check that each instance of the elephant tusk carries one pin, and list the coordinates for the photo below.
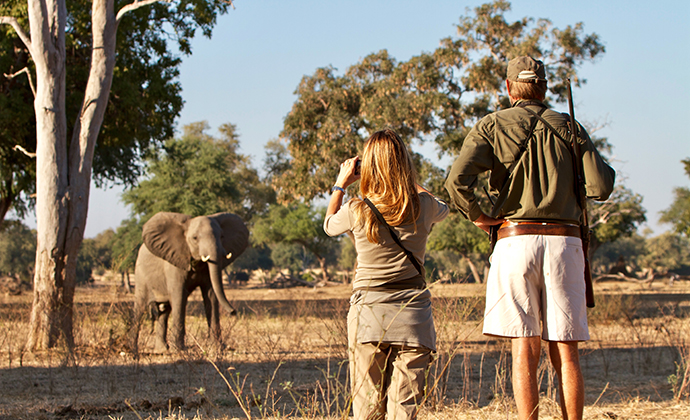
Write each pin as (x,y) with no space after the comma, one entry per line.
(205,258)
(228,256)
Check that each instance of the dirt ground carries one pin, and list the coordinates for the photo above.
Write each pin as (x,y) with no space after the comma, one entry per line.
(284,355)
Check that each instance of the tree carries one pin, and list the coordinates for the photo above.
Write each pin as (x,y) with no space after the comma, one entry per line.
(678,214)
(253,258)
(460,235)
(614,218)
(94,253)
(124,246)
(64,162)
(433,96)
(299,224)
(197,175)
(665,252)
(622,254)
(145,99)
(17,124)
(17,250)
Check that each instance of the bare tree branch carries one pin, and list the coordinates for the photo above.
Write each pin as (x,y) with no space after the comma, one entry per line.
(23,150)
(28,76)
(141,3)
(606,216)
(134,6)
(8,20)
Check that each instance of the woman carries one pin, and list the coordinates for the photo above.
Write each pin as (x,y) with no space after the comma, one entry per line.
(390,327)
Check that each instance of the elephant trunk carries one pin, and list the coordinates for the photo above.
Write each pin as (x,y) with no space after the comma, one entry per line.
(215,272)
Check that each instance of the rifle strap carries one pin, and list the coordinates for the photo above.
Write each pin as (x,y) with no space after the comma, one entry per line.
(382,221)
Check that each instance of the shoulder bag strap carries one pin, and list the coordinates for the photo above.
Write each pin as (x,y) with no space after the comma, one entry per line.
(382,221)
(498,203)
(570,149)
(549,126)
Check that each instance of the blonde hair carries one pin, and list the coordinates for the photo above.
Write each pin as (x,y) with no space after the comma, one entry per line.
(528,90)
(389,180)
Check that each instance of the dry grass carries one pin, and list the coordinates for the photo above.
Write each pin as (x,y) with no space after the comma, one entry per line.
(285,357)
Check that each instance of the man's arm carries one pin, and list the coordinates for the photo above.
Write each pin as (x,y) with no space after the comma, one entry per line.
(476,157)
(599,176)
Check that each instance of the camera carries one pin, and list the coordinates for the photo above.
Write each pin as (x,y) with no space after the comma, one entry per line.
(358,167)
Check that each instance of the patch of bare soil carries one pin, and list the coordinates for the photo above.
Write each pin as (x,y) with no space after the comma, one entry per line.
(284,355)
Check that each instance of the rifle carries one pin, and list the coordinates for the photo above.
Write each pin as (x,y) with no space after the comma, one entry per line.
(493,229)
(581,199)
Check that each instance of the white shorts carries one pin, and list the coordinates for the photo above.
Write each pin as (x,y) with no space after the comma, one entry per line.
(536,287)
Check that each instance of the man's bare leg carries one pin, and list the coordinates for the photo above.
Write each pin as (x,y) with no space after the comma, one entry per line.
(571,386)
(526,352)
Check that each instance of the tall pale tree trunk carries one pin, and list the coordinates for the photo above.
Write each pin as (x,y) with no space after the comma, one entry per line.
(62,181)
(51,295)
(82,146)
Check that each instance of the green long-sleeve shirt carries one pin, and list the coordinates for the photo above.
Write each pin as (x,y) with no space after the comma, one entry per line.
(542,185)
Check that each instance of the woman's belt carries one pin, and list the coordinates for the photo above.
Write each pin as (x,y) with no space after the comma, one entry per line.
(508,229)
(416,282)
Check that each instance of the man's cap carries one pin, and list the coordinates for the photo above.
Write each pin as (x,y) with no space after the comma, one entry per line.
(526,69)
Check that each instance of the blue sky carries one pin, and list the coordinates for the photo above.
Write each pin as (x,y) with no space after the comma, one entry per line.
(247,73)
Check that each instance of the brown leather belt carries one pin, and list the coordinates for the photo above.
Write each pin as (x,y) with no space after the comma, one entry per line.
(536,228)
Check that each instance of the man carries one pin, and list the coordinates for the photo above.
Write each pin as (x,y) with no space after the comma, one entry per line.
(536,287)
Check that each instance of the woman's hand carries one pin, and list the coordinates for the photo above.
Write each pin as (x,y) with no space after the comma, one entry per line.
(346,177)
(347,173)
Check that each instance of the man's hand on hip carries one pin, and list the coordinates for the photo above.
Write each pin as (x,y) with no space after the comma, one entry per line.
(484,222)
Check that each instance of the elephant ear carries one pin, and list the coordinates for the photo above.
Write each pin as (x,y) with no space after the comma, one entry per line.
(235,235)
(164,236)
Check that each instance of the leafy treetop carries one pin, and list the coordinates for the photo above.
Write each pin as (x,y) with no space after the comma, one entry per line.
(678,214)
(145,96)
(433,96)
(199,174)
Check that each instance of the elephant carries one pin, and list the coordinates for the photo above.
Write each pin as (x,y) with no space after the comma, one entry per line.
(181,253)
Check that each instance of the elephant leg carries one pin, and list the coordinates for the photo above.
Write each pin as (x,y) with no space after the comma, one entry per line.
(178,310)
(211,307)
(160,312)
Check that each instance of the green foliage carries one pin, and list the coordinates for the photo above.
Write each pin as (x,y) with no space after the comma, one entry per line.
(297,224)
(457,233)
(254,257)
(678,214)
(460,236)
(198,174)
(95,254)
(290,256)
(17,250)
(145,97)
(17,125)
(626,249)
(348,254)
(667,251)
(446,265)
(433,96)
(125,245)
(615,218)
